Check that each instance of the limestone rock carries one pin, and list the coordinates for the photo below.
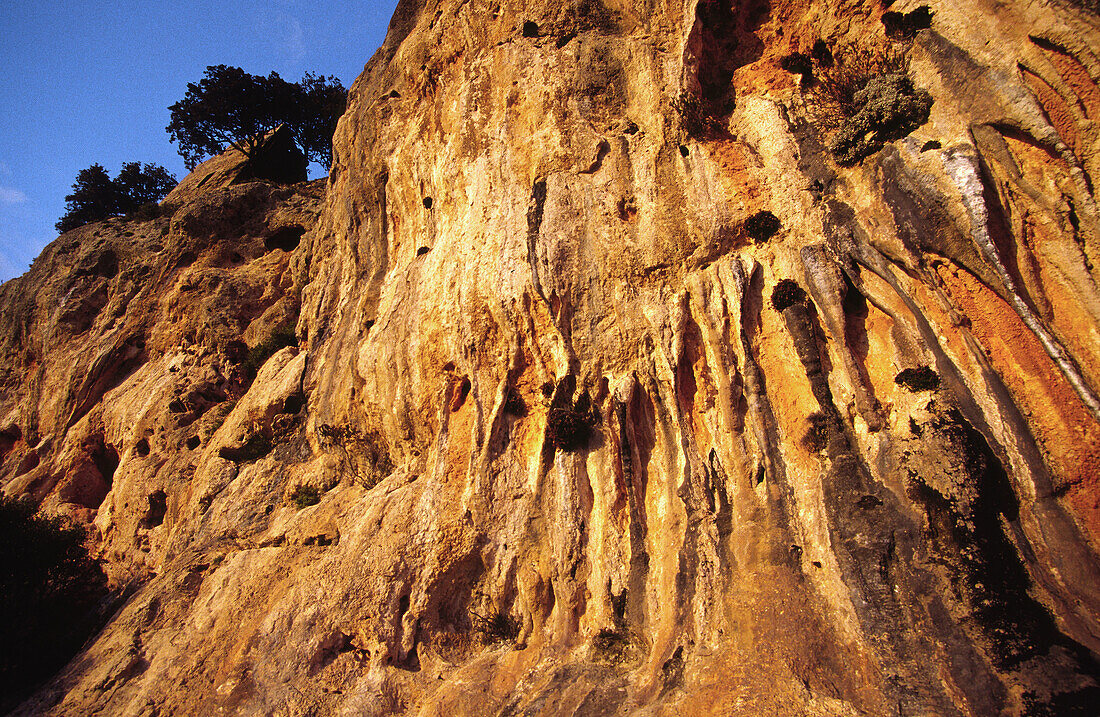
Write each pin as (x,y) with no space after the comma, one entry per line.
(275,159)
(575,453)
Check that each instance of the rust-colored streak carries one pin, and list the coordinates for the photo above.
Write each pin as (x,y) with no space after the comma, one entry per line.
(1066,432)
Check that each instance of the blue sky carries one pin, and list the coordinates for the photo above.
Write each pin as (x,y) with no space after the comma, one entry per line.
(89,82)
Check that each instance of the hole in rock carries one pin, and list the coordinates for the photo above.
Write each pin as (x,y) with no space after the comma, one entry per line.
(427,202)
(530,29)
(684,151)
(931,144)
(193,442)
(294,403)
(8,438)
(158,506)
(141,448)
(105,458)
(286,238)
(423,250)
(459,396)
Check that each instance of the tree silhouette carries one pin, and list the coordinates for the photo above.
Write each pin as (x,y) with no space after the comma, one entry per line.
(51,596)
(232,108)
(96,196)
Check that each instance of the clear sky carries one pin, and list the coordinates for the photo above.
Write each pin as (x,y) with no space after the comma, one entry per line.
(89,82)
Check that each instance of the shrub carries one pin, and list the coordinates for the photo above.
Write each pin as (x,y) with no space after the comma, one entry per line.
(889,108)
(570,426)
(51,596)
(839,81)
(304,496)
(278,339)
(495,628)
(762,226)
(697,117)
(613,647)
(354,445)
(787,293)
(918,379)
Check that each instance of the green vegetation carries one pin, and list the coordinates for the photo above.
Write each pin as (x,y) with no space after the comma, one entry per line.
(304,496)
(357,448)
(889,107)
(230,107)
(51,596)
(96,196)
(278,339)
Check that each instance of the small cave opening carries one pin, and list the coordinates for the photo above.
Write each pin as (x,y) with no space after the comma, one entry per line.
(427,202)
(105,458)
(193,442)
(423,250)
(158,506)
(107,265)
(684,151)
(286,239)
(530,29)
(141,448)
(8,438)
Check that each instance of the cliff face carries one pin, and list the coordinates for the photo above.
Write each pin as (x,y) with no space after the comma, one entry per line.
(589,435)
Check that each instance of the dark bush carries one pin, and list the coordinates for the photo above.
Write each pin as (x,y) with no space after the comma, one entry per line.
(135,192)
(304,496)
(613,647)
(697,117)
(365,454)
(762,226)
(851,69)
(51,597)
(570,426)
(889,107)
(495,628)
(918,379)
(278,339)
(787,293)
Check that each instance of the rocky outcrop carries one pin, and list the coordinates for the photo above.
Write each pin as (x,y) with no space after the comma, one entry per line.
(275,158)
(585,439)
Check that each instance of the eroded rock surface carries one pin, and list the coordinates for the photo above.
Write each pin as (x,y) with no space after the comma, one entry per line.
(583,445)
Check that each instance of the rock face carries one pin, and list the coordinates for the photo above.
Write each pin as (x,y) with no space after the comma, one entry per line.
(590,436)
